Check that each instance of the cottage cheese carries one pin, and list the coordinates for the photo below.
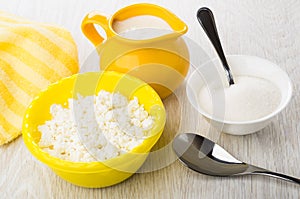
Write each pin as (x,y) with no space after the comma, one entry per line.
(95,128)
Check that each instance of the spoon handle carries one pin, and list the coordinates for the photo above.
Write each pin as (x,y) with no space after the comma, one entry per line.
(279,175)
(207,21)
(261,171)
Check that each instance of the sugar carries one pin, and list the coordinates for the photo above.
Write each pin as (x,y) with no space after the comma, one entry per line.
(248,99)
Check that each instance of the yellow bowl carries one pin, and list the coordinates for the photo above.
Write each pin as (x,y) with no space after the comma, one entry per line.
(93,174)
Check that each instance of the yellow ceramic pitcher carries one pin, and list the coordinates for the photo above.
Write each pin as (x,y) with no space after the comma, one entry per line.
(162,61)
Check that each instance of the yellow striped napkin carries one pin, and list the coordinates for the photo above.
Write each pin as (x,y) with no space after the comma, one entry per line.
(32,55)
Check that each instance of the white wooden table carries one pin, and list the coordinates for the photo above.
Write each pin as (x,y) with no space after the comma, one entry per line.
(269,29)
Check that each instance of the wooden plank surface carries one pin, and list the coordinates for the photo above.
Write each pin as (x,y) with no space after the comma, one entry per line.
(269,29)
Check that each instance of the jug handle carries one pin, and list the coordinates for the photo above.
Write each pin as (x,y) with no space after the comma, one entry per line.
(89,30)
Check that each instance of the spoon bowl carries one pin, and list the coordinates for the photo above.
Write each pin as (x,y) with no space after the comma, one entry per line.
(204,156)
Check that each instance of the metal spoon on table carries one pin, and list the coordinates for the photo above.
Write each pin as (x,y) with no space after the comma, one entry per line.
(207,21)
(204,156)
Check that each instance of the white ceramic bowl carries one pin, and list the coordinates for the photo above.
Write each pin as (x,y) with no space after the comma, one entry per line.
(240,65)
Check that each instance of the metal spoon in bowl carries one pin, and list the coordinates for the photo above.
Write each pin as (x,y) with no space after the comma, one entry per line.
(207,21)
(204,156)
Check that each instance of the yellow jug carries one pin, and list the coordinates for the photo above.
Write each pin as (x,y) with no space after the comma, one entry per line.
(161,61)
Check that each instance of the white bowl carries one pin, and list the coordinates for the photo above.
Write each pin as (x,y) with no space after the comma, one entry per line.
(240,65)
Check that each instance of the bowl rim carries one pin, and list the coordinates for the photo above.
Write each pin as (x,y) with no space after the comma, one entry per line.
(262,119)
(89,167)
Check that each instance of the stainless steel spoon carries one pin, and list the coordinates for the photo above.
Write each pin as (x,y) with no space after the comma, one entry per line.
(207,21)
(204,156)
